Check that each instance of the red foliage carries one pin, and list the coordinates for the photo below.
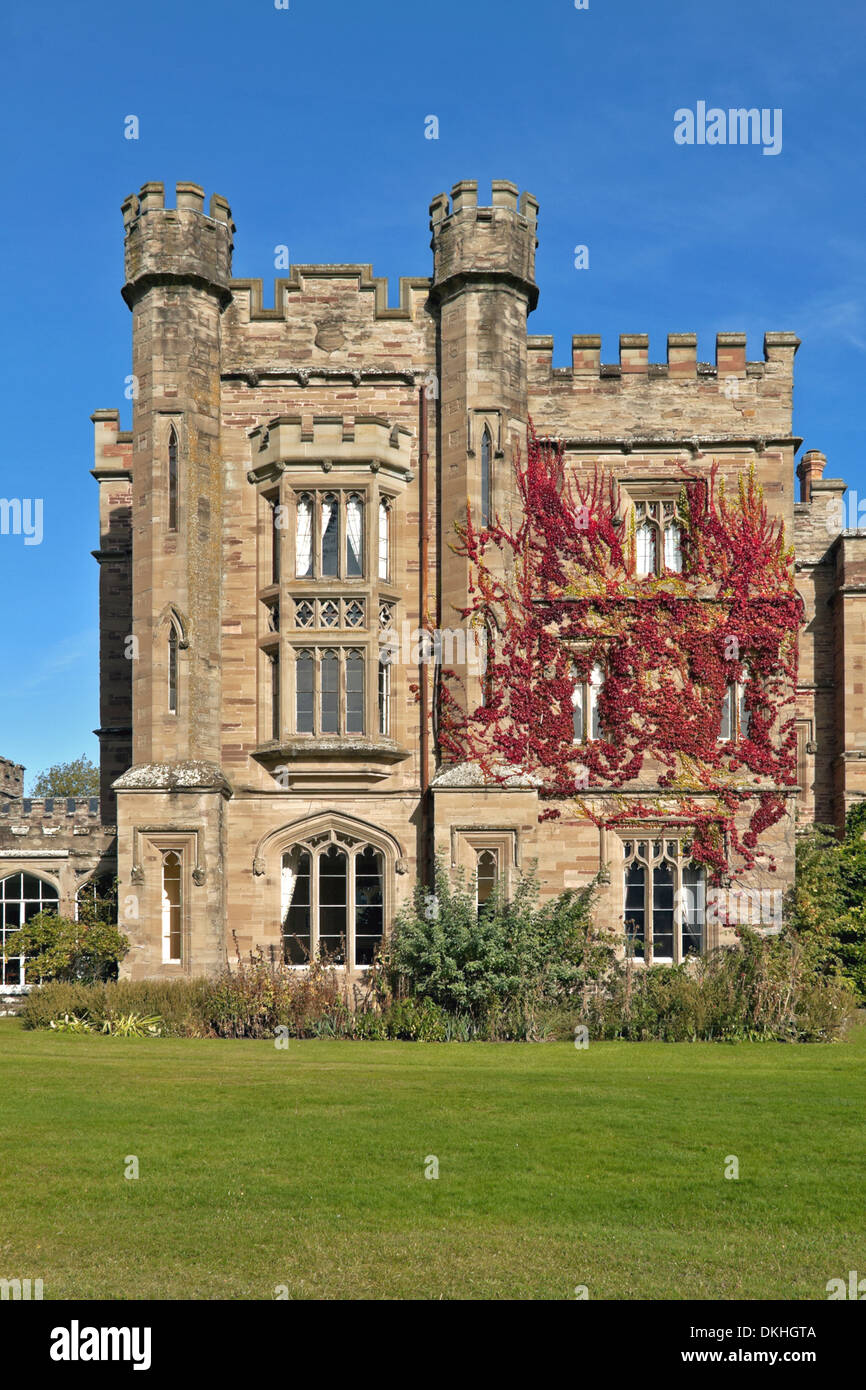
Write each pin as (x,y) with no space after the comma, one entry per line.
(562,593)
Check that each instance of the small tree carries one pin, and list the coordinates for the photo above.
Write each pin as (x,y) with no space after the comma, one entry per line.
(57,948)
(828,899)
(77,778)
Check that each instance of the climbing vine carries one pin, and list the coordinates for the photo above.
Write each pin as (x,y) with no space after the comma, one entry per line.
(559,593)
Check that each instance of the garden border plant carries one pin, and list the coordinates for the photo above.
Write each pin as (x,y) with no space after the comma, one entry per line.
(520,971)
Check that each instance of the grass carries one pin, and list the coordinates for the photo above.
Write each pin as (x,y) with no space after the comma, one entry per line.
(305,1168)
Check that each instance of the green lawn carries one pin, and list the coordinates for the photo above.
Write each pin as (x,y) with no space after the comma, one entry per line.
(305,1168)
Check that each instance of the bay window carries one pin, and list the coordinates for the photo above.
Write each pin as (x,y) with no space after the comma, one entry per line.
(330,690)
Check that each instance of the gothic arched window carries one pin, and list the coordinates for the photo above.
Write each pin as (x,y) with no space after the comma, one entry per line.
(584,704)
(664,901)
(385,694)
(332,900)
(735,717)
(384,538)
(274,659)
(489,656)
(486,450)
(172,906)
(645,542)
(304,692)
(673,552)
(330,536)
(486,876)
(329,666)
(304,536)
(172,669)
(354,536)
(354,692)
(172,479)
(657,538)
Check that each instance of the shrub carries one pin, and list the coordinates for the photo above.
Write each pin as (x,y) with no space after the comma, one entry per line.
(181,1004)
(416,1020)
(69,1023)
(134,1026)
(254,998)
(513,952)
(828,899)
(58,948)
(766,988)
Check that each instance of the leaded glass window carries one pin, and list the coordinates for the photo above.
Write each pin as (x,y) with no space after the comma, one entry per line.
(664,900)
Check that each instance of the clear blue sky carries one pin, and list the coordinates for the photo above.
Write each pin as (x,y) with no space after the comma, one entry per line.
(310,121)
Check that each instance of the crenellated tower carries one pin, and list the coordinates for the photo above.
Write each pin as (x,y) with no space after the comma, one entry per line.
(178,268)
(483,289)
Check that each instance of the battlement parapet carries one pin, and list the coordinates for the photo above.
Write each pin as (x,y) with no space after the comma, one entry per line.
(682,358)
(472,243)
(49,813)
(249,293)
(181,245)
(332,443)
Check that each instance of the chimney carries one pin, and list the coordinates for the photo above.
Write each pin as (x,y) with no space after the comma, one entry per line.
(809,470)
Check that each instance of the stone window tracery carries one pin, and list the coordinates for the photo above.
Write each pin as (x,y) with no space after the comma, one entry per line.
(332,902)
(664,900)
(657,538)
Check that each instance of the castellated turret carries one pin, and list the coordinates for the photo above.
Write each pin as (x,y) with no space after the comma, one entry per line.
(178,267)
(472,243)
(483,289)
(179,244)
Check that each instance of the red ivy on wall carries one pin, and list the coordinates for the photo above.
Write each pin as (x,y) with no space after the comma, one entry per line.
(560,593)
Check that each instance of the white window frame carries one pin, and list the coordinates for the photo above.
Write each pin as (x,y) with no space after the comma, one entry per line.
(584,696)
(383,692)
(167,906)
(480,851)
(46,902)
(384,511)
(735,715)
(309,531)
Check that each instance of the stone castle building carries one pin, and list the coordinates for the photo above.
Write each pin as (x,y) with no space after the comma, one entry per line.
(288,492)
